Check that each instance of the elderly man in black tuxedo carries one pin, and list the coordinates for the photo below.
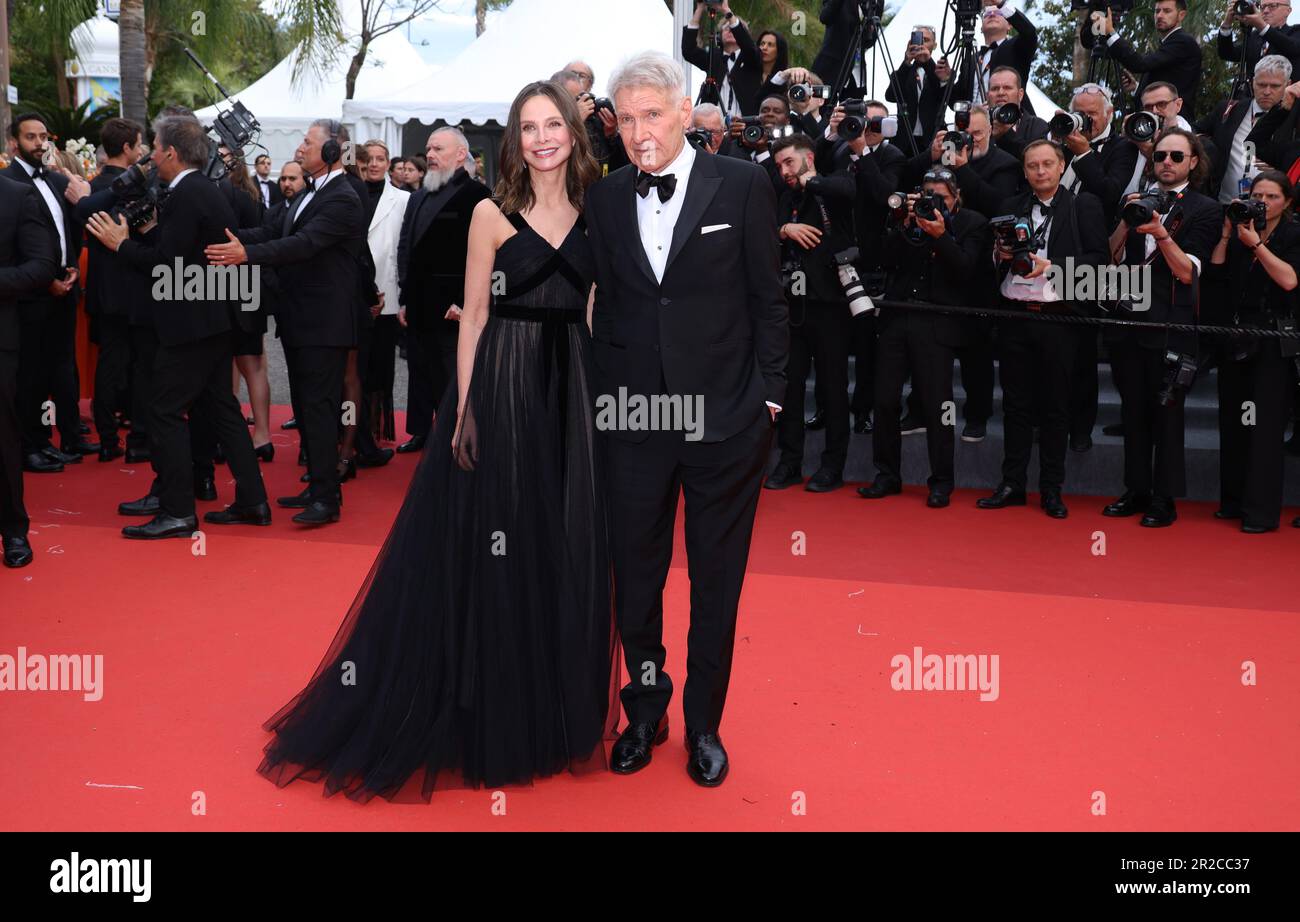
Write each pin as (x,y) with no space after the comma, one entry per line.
(27,264)
(1176,60)
(1265,32)
(316,255)
(195,343)
(688,305)
(49,318)
(431,268)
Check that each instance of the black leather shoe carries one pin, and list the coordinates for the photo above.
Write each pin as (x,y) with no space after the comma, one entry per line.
(1080,443)
(938,499)
(264,452)
(824,481)
(318,513)
(347,469)
(862,425)
(974,432)
(62,457)
(1052,504)
(879,489)
(1128,504)
(136,455)
(290,423)
(1115,429)
(706,760)
(1161,514)
(301,501)
(782,476)
(911,425)
(378,459)
(240,515)
(1251,529)
(205,488)
(80,447)
(815,422)
(416,443)
(109,453)
(40,463)
(1227,513)
(146,505)
(635,745)
(18,553)
(1005,495)
(163,526)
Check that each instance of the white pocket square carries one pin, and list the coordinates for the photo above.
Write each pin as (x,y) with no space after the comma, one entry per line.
(713,227)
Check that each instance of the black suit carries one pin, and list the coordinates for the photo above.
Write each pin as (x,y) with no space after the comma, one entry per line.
(1283,40)
(1038,357)
(48,362)
(269,185)
(191,369)
(1029,128)
(1137,358)
(1220,127)
(715,327)
(1176,60)
(1274,137)
(316,252)
(1104,171)
(431,255)
(1016,51)
(26,265)
(840,17)
(111,284)
(920,101)
(746,74)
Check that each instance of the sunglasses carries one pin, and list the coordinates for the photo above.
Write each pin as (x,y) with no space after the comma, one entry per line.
(944,176)
(1176,156)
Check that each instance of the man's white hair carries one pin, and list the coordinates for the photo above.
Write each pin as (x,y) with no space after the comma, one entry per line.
(649,69)
(706,109)
(460,135)
(1274,64)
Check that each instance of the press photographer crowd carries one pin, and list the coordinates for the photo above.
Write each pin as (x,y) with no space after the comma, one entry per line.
(947,222)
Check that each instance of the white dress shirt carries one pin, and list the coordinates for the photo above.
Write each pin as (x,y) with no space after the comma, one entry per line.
(1018,288)
(656,220)
(1238,168)
(176,180)
(1151,244)
(53,206)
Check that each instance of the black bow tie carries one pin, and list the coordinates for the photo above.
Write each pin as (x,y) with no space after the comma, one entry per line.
(309,183)
(40,172)
(667,184)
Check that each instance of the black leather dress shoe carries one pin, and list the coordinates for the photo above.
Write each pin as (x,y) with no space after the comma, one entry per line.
(264,452)
(815,422)
(706,760)
(163,526)
(782,476)
(40,463)
(80,447)
(318,513)
(879,489)
(378,459)
(347,469)
(1227,513)
(109,453)
(18,553)
(63,457)
(635,745)
(911,425)
(1052,504)
(1128,504)
(938,499)
(235,514)
(145,505)
(1161,514)
(416,443)
(1252,529)
(300,501)
(205,488)
(1005,495)
(974,431)
(136,455)
(862,425)
(290,423)
(824,481)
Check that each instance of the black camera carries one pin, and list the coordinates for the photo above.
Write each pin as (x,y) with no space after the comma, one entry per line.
(1006,114)
(754,128)
(802,92)
(961,116)
(1142,209)
(1180,372)
(1066,123)
(855,119)
(602,102)
(1248,211)
(1017,235)
(1141,127)
(1245,8)
(929,205)
(138,195)
(699,138)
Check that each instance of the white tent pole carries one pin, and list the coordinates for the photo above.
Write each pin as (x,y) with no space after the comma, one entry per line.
(682,10)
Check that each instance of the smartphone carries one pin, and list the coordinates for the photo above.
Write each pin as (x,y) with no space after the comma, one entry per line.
(918,37)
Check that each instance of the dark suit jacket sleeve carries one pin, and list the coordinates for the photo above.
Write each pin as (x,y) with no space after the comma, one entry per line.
(1168,54)
(1275,128)
(767,306)
(601,311)
(877,176)
(837,186)
(986,194)
(748,48)
(404,250)
(692,51)
(965,256)
(1202,233)
(331,224)
(1228,48)
(1284,40)
(1026,45)
(96,202)
(1108,181)
(34,266)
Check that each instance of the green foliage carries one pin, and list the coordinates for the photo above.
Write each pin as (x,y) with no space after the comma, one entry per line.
(65,124)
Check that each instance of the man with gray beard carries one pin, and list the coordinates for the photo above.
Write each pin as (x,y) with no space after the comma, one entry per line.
(431,270)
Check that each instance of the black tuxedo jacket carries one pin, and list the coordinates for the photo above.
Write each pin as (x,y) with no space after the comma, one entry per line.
(746,73)
(1016,51)
(1106,171)
(432,250)
(1274,136)
(717,325)
(316,259)
(1077,232)
(916,101)
(1283,40)
(987,182)
(836,193)
(276,195)
(951,269)
(876,176)
(71,229)
(194,216)
(1029,128)
(121,284)
(26,263)
(840,17)
(1220,127)
(1176,60)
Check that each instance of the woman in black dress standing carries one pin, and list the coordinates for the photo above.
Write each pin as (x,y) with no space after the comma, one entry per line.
(481,647)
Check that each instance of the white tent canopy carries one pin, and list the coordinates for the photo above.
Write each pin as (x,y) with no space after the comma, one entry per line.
(529,40)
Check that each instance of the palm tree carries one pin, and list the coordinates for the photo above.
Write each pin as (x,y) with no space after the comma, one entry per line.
(133,60)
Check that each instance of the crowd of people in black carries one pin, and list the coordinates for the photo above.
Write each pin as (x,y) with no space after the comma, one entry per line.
(360,253)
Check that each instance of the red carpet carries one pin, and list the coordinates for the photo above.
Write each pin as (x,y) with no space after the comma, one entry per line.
(1118,674)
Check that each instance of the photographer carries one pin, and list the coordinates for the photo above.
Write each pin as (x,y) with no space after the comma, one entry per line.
(597,118)
(1001,49)
(773,117)
(1162,101)
(988,175)
(1177,58)
(1275,134)
(1007,101)
(920,81)
(1229,125)
(816,224)
(708,117)
(1099,159)
(1152,368)
(1037,357)
(1259,268)
(841,18)
(734,66)
(806,115)
(938,254)
(1265,33)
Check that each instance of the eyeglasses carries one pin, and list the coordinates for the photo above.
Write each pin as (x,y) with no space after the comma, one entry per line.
(1176,156)
(1269,7)
(943,176)
(1091,89)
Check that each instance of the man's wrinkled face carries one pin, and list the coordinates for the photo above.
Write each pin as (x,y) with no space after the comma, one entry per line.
(1275,14)
(1268,86)
(1094,106)
(1004,87)
(444,152)
(713,124)
(652,124)
(774,112)
(979,132)
(308,153)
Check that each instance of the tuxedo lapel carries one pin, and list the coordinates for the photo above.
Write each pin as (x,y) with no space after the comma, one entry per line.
(699,193)
(436,201)
(628,224)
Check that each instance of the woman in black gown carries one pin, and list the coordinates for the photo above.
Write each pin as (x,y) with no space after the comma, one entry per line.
(481,649)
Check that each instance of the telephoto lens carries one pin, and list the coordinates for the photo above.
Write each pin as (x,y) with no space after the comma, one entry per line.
(1142,209)
(1007,114)
(1141,127)
(1065,123)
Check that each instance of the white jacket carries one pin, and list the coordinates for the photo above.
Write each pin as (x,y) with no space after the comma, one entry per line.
(385,231)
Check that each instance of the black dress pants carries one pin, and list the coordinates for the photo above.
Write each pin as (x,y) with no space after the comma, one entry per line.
(1153,434)
(1036,370)
(317,376)
(1250,434)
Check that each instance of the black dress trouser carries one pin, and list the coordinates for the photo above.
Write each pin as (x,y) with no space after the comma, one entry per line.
(1250,437)
(13,515)
(823,337)
(1153,434)
(906,343)
(316,373)
(1036,369)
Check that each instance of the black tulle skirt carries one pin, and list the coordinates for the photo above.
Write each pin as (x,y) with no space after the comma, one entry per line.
(481,649)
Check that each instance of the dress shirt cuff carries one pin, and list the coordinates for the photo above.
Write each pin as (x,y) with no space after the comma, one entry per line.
(1113,38)
(778,78)
(761,155)
(1263,30)
(774,406)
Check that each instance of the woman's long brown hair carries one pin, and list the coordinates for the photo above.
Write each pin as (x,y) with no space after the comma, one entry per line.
(514,190)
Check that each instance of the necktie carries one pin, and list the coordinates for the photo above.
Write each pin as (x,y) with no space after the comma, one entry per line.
(667,185)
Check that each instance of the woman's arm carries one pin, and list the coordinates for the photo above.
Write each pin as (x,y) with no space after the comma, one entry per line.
(484,238)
